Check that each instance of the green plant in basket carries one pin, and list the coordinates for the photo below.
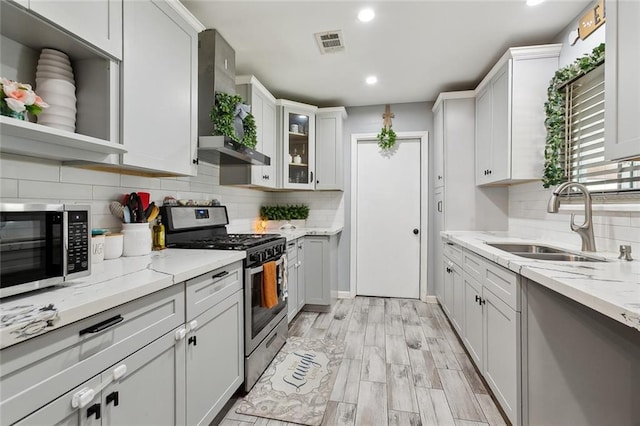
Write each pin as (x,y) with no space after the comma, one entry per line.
(284,212)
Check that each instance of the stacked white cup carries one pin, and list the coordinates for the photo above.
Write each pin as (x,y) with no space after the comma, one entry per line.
(55,84)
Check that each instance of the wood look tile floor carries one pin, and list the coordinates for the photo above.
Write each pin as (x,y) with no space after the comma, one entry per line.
(403,365)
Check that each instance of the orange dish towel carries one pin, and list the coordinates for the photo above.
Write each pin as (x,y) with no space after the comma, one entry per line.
(269,289)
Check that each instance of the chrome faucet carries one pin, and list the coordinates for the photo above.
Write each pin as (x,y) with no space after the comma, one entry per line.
(586,229)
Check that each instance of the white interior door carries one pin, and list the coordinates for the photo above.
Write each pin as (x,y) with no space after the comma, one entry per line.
(388,220)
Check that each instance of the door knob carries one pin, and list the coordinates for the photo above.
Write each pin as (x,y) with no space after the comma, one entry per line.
(416,231)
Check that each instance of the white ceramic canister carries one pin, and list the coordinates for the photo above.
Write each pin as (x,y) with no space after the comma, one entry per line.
(113,246)
(136,239)
(97,248)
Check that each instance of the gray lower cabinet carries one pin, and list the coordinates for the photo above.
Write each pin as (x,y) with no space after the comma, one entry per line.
(214,342)
(34,374)
(292,279)
(38,371)
(501,336)
(296,279)
(152,375)
(137,364)
(473,323)
(301,299)
(482,302)
(321,271)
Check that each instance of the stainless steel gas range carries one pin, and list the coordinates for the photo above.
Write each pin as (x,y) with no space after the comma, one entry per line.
(265,328)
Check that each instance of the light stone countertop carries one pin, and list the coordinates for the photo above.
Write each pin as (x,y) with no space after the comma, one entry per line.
(111,283)
(611,288)
(293,234)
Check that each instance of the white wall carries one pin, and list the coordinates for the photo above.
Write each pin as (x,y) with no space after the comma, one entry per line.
(26,179)
(527,202)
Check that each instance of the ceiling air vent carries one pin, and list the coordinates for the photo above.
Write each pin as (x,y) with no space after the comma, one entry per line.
(330,41)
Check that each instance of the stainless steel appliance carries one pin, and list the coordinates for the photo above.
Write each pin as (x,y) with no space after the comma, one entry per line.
(265,328)
(42,245)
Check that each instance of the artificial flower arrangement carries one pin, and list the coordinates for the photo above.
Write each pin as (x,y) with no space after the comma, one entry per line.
(18,98)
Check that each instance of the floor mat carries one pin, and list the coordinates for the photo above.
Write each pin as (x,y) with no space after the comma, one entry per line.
(296,386)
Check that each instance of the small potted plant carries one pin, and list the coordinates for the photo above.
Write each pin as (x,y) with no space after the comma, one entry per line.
(18,98)
(285,213)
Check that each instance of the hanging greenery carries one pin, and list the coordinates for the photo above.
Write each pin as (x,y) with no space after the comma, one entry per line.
(223,114)
(554,172)
(386,138)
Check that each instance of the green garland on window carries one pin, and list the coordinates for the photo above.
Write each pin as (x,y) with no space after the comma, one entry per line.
(222,117)
(386,138)
(554,172)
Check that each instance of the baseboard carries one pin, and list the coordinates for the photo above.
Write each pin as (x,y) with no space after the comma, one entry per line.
(431,299)
(344,295)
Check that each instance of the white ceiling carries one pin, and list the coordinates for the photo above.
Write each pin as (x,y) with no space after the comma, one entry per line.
(417,49)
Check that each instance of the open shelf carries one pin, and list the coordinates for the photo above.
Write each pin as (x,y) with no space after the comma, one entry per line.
(26,138)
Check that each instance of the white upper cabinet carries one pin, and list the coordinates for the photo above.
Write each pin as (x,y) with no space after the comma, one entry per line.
(23,35)
(622,81)
(329,147)
(263,108)
(99,22)
(297,145)
(510,133)
(159,89)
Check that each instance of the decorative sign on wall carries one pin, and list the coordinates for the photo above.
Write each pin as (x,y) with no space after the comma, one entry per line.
(591,20)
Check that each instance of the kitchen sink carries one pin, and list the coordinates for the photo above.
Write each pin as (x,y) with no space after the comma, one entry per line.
(543,252)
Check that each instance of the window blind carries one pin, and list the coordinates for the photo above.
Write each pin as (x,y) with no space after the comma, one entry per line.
(584,144)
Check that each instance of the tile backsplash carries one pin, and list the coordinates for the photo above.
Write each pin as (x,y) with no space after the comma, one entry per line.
(31,180)
(26,179)
(528,217)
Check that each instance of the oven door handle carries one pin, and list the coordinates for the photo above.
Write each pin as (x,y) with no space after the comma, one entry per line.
(254,271)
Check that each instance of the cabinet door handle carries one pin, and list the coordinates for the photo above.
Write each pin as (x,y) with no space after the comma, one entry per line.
(477,298)
(94,409)
(102,325)
(439,177)
(113,397)
(483,301)
(193,340)
(439,206)
(311,178)
(220,275)
(196,161)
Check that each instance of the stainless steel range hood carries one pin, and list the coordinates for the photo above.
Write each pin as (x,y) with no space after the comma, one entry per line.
(222,150)
(216,73)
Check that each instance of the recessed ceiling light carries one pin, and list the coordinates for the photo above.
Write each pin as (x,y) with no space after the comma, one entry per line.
(372,79)
(534,2)
(366,15)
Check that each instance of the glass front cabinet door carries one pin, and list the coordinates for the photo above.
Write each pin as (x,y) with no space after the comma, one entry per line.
(297,131)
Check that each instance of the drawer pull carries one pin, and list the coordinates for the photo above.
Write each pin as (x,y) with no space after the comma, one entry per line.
(271,340)
(94,409)
(102,325)
(220,275)
(113,397)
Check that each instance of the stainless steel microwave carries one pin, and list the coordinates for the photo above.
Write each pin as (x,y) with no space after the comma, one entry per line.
(43,245)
